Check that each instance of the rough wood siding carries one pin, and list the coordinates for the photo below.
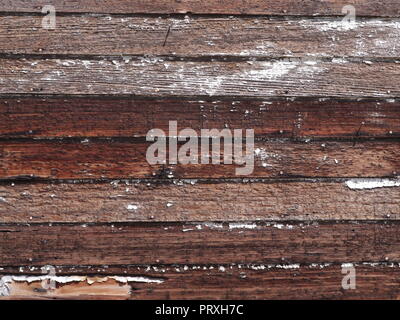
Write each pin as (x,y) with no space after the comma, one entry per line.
(193,36)
(176,243)
(85,117)
(241,281)
(198,200)
(165,77)
(126,159)
(77,193)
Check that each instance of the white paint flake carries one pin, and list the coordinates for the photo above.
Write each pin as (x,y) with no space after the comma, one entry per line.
(288,266)
(280,226)
(211,225)
(242,226)
(272,70)
(339,60)
(347,265)
(135,279)
(338,25)
(5,281)
(360,184)
(132,207)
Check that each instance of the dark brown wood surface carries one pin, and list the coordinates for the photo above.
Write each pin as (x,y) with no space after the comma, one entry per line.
(44,117)
(282,281)
(194,243)
(77,193)
(116,159)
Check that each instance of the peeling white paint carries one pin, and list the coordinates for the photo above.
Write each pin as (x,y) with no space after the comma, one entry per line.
(5,281)
(360,184)
(210,225)
(242,226)
(338,25)
(132,207)
(272,266)
(347,265)
(281,226)
(319,265)
(288,266)
(58,279)
(4,287)
(377,264)
(272,70)
(135,279)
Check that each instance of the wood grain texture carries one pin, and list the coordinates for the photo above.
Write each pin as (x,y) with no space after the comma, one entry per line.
(68,159)
(270,7)
(43,117)
(201,36)
(171,243)
(127,201)
(158,77)
(379,281)
(76,191)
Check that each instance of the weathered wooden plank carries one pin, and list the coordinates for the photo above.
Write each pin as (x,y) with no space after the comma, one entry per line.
(68,159)
(43,117)
(127,201)
(376,281)
(201,36)
(282,7)
(172,243)
(158,77)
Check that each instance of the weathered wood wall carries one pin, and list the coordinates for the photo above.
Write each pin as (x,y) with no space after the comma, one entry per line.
(77,193)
